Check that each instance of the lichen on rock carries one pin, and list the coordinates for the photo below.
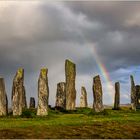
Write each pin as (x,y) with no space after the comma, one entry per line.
(70,74)
(43,93)
(98,94)
(18,93)
(61,95)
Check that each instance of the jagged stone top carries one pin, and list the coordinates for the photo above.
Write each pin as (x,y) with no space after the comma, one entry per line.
(96,78)
(20,73)
(70,67)
(83,87)
(69,63)
(117,83)
(1,78)
(132,80)
(43,72)
(2,81)
(61,83)
(131,76)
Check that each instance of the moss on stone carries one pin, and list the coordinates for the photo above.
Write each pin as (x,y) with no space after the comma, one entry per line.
(70,66)
(20,72)
(44,72)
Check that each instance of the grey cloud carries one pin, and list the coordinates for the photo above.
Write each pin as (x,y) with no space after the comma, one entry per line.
(117,40)
(41,34)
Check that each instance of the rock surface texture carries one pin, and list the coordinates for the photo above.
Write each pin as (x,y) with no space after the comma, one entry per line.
(70,73)
(133,93)
(43,93)
(97,94)
(18,93)
(83,98)
(3,99)
(32,102)
(61,95)
(117,96)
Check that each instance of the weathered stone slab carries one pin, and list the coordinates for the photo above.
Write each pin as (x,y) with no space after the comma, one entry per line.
(83,98)
(3,99)
(18,93)
(32,102)
(97,94)
(61,95)
(133,93)
(117,96)
(70,73)
(43,93)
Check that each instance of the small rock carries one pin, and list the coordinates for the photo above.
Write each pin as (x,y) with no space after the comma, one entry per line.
(32,102)
(61,95)
(83,99)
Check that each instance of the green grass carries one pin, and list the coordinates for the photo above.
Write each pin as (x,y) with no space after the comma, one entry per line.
(81,123)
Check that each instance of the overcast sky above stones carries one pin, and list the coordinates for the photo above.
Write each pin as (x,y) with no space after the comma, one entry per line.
(38,34)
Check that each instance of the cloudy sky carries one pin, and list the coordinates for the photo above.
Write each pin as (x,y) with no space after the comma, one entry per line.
(38,34)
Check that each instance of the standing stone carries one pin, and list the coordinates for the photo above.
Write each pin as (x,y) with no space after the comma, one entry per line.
(133,93)
(70,73)
(61,95)
(43,93)
(18,93)
(3,99)
(137,96)
(83,99)
(97,93)
(32,102)
(117,96)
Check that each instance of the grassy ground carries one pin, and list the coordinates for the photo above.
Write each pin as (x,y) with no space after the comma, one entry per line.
(82,123)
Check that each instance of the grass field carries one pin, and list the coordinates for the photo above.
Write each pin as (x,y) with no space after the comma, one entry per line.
(81,123)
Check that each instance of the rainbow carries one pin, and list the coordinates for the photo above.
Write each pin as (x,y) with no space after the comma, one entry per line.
(104,72)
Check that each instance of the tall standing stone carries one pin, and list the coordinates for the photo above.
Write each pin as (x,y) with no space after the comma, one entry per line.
(3,99)
(70,73)
(117,96)
(97,93)
(83,98)
(133,93)
(43,93)
(61,95)
(32,102)
(18,93)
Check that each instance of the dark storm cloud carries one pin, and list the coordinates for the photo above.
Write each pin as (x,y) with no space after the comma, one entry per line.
(117,40)
(44,34)
(28,32)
